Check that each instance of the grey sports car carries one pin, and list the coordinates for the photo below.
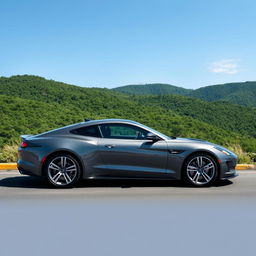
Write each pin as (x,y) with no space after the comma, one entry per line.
(121,149)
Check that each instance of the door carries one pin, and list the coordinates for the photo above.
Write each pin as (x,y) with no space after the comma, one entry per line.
(126,152)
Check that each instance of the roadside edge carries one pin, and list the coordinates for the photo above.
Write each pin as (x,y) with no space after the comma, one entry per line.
(240,167)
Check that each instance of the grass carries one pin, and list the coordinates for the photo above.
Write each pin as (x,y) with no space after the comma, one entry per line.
(243,157)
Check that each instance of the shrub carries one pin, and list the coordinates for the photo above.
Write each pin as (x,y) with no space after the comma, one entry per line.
(9,153)
(243,157)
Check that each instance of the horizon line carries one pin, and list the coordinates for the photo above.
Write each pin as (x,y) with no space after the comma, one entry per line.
(134,84)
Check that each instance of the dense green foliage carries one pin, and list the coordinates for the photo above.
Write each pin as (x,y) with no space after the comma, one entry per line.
(30,105)
(19,116)
(230,117)
(238,93)
(152,89)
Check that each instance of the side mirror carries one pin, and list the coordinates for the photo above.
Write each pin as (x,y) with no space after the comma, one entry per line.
(152,136)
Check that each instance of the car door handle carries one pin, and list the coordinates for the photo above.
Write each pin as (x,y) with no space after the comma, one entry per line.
(109,146)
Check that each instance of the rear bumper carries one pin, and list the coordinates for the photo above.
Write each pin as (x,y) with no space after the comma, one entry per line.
(25,172)
(30,161)
(28,168)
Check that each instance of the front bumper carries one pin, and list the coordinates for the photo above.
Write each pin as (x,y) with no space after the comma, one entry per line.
(228,168)
(230,174)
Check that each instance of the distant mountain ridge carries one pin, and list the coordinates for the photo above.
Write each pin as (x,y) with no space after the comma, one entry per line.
(152,89)
(239,93)
(243,93)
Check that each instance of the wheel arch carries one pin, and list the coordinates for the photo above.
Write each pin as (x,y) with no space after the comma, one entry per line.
(65,151)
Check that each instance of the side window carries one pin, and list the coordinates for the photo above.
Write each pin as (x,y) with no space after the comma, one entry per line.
(91,131)
(123,131)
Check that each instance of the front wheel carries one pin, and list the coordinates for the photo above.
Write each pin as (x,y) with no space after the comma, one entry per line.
(62,171)
(200,170)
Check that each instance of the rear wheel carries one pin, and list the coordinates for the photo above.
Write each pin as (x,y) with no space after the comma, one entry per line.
(63,171)
(200,170)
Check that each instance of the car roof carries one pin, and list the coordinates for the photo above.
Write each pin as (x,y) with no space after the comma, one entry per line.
(67,128)
(113,120)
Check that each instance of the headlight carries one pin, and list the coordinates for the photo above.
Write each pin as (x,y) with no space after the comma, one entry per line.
(223,151)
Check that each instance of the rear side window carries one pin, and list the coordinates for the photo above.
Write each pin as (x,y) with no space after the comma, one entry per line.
(91,131)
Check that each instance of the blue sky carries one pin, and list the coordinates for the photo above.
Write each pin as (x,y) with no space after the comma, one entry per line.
(110,43)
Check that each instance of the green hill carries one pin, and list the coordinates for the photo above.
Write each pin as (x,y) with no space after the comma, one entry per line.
(237,93)
(31,104)
(154,89)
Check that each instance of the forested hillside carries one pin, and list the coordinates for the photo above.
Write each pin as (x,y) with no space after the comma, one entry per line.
(30,105)
(237,93)
(230,117)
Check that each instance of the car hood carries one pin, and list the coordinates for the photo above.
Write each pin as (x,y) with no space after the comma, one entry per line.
(190,140)
(202,142)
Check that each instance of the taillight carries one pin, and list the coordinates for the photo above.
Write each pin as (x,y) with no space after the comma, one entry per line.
(23,144)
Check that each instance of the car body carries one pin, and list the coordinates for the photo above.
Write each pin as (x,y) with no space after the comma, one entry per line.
(121,149)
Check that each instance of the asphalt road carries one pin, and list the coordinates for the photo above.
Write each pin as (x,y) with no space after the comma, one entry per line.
(16,186)
(127,218)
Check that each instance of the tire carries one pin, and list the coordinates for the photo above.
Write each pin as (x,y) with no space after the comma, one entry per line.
(62,170)
(200,170)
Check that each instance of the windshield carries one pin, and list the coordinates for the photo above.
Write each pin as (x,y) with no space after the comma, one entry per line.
(154,131)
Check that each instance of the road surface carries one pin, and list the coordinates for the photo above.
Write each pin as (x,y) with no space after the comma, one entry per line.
(127,218)
(16,186)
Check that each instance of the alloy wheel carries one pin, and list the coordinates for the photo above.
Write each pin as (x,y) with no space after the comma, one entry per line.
(62,171)
(201,170)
